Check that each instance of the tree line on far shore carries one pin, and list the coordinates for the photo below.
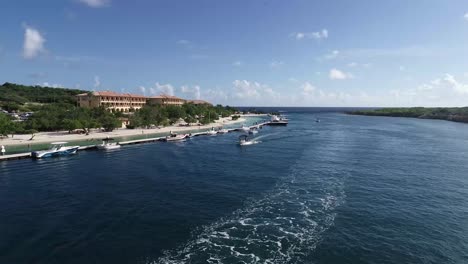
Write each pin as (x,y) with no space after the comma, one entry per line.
(457,114)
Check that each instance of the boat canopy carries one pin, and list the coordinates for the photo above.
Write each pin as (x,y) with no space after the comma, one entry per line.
(243,137)
(59,143)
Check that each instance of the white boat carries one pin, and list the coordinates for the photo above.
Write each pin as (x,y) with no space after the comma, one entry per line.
(245,141)
(108,144)
(253,131)
(278,121)
(212,132)
(245,128)
(223,131)
(55,149)
(175,137)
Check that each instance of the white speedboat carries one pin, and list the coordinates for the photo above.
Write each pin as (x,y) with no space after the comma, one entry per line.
(223,131)
(278,121)
(108,144)
(55,149)
(212,132)
(245,141)
(175,137)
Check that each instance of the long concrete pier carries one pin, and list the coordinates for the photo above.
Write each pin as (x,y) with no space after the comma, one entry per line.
(129,142)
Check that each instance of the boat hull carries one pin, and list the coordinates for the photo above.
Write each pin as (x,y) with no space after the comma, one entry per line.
(56,153)
(280,123)
(108,147)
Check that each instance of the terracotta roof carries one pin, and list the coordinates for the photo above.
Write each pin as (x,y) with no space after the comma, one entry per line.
(166,96)
(112,93)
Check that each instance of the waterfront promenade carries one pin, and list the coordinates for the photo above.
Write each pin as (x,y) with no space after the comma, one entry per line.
(200,131)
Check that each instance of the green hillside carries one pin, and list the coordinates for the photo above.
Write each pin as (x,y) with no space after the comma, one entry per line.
(11,93)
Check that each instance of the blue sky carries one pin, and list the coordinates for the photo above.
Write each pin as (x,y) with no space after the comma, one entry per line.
(281,53)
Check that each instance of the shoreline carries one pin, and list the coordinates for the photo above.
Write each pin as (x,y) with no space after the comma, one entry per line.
(21,143)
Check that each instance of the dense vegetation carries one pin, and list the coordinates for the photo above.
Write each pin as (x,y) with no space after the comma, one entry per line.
(457,114)
(158,115)
(14,97)
(55,109)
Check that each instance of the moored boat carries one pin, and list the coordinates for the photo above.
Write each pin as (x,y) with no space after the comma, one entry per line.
(176,137)
(108,144)
(253,131)
(212,132)
(223,131)
(55,149)
(278,121)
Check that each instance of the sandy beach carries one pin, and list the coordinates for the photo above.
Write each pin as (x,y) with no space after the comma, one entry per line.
(47,137)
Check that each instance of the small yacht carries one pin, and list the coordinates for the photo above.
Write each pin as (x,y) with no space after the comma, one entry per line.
(278,121)
(223,131)
(108,144)
(245,141)
(175,137)
(55,149)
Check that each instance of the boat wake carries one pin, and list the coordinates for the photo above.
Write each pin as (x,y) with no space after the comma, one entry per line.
(284,226)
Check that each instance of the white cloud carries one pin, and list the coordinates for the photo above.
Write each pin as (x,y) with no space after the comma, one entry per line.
(192,92)
(323,34)
(237,63)
(336,74)
(33,43)
(276,64)
(162,88)
(332,55)
(466,16)
(251,91)
(142,90)
(307,89)
(47,84)
(97,82)
(95,3)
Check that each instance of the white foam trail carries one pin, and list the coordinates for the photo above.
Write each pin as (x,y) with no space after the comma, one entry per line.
(282,227)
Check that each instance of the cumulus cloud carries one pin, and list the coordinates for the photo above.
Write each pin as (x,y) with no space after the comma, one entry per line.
(307,89)
(162,89)
(97,82)
(251,91)
(191,92)
(323,34)
(33,43)
(95,3)
(336,74)
(47,84)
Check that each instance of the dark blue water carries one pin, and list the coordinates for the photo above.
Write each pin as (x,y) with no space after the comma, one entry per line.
(350,189)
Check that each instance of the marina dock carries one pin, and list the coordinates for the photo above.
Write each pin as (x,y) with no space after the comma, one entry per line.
(27,155)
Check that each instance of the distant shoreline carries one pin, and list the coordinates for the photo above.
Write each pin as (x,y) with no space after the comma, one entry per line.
(455,114)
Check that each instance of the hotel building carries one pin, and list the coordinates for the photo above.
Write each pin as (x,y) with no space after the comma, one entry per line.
(115,102)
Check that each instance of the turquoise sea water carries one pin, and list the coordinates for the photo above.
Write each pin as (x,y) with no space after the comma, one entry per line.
(350,189)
